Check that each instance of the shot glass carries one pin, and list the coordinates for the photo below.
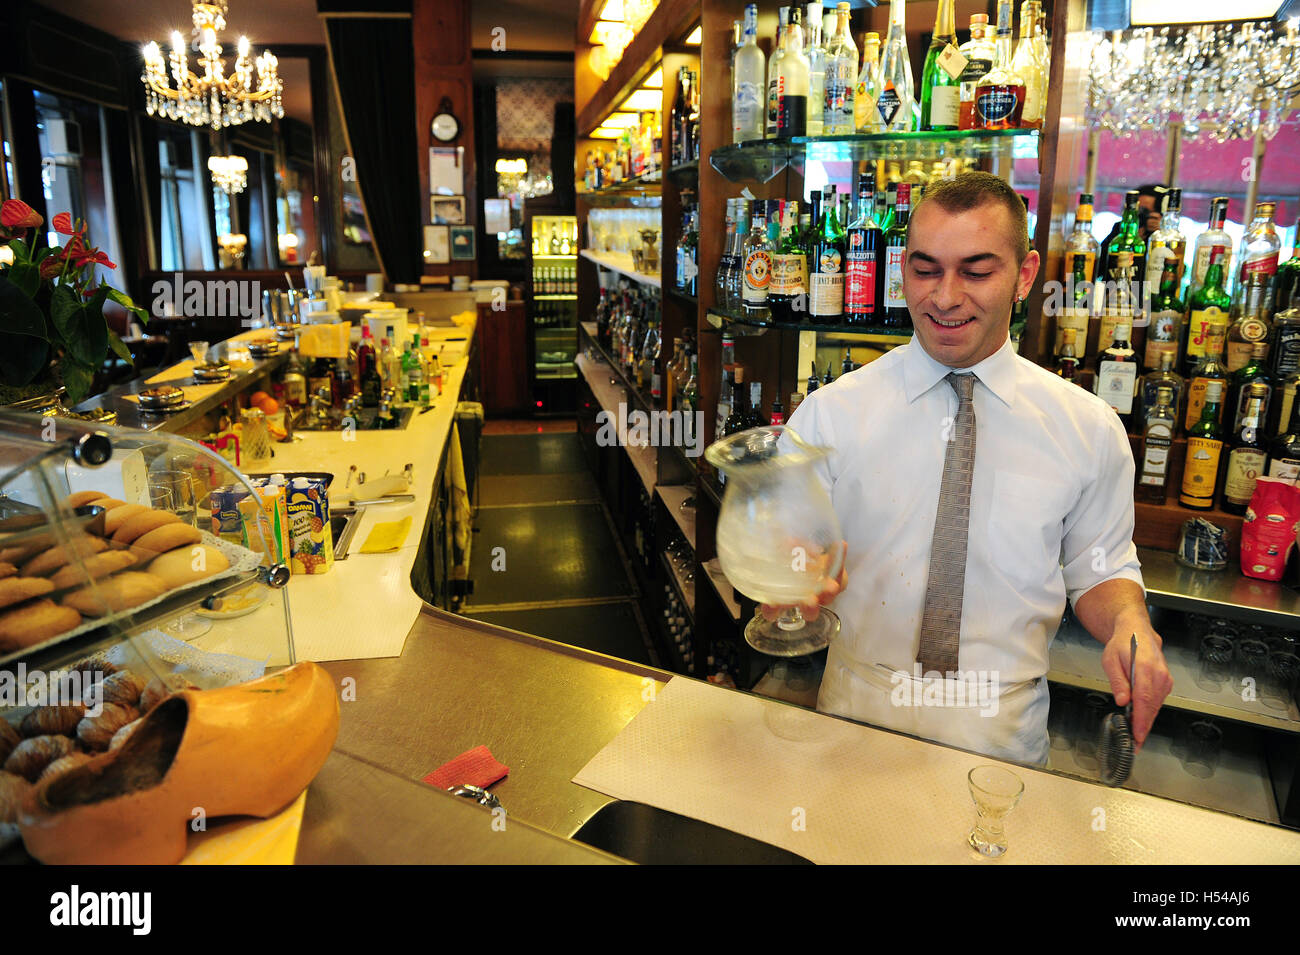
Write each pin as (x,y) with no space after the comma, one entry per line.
(995,791)
(1216,662)
(1202,741)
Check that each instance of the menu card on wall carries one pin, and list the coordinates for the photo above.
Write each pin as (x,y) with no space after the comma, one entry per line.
(447,170)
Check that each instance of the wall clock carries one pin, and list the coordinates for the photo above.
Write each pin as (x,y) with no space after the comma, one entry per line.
(445,126)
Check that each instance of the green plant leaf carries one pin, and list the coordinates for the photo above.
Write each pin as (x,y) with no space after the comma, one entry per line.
(26,276)
(20,250)
(125,301)
(24,348)
(119,348)
(77,378)
(80,324)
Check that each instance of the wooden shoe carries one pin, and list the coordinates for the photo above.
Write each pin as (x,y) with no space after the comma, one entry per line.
(244,750)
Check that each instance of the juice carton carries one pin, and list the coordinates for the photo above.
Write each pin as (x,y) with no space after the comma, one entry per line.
(311,544)
(271,498)
(227,519)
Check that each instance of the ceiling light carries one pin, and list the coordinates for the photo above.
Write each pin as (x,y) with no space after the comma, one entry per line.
(604,132)
(696,36)
(613,10)
(651,100)
(622,121)
(655,80)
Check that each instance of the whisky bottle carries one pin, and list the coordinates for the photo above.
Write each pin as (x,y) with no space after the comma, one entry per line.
(1119,298)
(1214,236)
(1000,93)
(1246,456)
(1165,377)
(1157,438)
(1208,309)
(1209,370)
(1260,246)
(1067,361)
(1250,325)
(1116,382)
(1243,380)
(1204,449)
(1284,453)
(1165,329)
(1167,242)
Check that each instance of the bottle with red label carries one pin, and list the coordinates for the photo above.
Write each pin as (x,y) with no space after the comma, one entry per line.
(1260,249)
(865,242)
(889,285)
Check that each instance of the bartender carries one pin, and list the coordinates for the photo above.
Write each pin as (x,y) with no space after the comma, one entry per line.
(977,493)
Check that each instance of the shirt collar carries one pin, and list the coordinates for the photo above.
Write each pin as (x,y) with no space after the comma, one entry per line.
(921,372)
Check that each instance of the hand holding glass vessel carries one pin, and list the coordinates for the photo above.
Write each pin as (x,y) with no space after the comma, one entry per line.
(779,542)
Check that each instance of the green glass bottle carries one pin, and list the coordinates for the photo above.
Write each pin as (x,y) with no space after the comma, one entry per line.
(826,265)
(1128,238)
(940,90)
(1164,330)
(1207,307)
(1204,449)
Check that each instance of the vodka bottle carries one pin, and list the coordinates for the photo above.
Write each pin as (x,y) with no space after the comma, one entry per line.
(895,103)
(773,65)
(841,70)
(747,93)
(816,48)
(792,82)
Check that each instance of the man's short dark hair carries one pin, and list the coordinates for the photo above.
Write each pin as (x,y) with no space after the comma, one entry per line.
(970,190)
(1151,189)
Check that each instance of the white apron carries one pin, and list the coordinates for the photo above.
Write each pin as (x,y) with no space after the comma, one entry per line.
(1005,722)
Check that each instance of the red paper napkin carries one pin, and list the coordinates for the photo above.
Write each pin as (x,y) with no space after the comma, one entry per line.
(477,767)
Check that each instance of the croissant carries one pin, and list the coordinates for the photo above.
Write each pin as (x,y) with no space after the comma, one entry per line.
(63,764)
(12,790)
(161,687)
(9,738)
(124,688)
(96,732)
(120,736)
(31,756)
(53,720)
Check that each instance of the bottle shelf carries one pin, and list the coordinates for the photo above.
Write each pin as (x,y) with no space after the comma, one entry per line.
(557,256)
(621,262)
(689,299)
(555,297)
(647,184)
(760,160)
(867,334)
(684,175)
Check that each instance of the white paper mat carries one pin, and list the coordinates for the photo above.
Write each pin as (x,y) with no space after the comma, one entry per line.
(842,793)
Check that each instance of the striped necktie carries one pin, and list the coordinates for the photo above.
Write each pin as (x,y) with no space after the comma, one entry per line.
(941,619)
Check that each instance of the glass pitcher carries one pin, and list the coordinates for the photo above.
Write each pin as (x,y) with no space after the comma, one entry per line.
(778,537)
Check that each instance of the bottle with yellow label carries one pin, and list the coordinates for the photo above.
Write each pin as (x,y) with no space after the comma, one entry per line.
(1207,307)
(1209,370)
(1204,449)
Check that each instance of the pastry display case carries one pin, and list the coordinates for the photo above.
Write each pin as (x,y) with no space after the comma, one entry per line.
(143,549)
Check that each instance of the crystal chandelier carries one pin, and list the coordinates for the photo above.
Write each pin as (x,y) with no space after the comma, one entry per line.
(1220,80)
(211,97)
(229,173)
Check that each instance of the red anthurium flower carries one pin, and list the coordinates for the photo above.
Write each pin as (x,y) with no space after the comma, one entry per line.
(16,214)
(79,259)
(63,223)
(51,266)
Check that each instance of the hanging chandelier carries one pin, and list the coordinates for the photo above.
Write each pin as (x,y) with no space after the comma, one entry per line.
(229,173)
(211,97)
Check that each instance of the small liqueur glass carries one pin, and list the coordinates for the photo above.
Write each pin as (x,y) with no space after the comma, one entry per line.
(996,791)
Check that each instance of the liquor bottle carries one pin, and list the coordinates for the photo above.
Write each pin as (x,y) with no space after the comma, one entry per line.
(1250,325)
(390,362)
(1207,372)
(812,384)
(1167,242)
(773,65)
(1165,329)
(738,413)
(841,77)
(1207,309)
(413,372)
(1260,246)
(777,414)
(885,202)
(1000,93)
(889,287)
(826,265)
(295,381)
(1242,380)
(648,377)
(1285,350)
(826,378)
(1157,438)
(693,119)
(789,267)
(1288,273)
(1213,236)
(1067,361)
(895,99)
(1028,67)
(736,274)
(725,261)
(940,80)
(864,244)
(847,365)
(1204,449)
(754,418)
(978,51)
(691,399)
(815,47)
(690,253)
(670,376)
(1247,456)
(1116,382)
(1284,452)
(1153,381)
(368,370)
(758,265)
(792,82)
(1126,238)
(864,94)
(1117,304)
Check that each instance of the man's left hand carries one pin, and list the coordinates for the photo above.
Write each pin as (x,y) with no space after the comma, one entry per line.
(1151,679)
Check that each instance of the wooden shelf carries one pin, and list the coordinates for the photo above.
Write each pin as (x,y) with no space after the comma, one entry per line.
(621,262)
(722,585)
(673,497)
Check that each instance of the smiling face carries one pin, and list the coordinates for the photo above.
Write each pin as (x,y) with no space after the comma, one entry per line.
(961,279)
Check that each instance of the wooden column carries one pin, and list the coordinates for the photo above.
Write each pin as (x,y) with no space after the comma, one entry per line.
(443,67)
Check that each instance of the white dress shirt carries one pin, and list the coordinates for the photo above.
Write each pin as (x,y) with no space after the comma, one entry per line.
(1051,516)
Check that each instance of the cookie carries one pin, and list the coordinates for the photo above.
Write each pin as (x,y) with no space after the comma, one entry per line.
(93,568)
(47,562)
(184,565)
(84,497)
(121,592)
(108,503)
(115,518)
(34,623)
(17,589)
(141,524)
(165,538)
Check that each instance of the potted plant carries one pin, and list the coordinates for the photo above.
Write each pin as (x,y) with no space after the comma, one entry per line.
(52,328)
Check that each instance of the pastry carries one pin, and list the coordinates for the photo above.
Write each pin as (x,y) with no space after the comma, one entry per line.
(12,790)
(9,738)
(7,569)
(100,565)
(17,589)
(47,562)
(184,565)
(123,688)
(141,524)
(63,764)
(121,735)
(96,732)
(163,539)
(161,687)
(20,552)
(79,498)
(53,720)
(115,518)
(121,592)
(34,623)
(31,756)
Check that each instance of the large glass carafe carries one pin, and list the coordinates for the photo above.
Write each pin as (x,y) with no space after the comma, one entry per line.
(778,537)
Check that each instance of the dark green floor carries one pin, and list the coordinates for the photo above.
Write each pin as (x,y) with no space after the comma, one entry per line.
(545,559)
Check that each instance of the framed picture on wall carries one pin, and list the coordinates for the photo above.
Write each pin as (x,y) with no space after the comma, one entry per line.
(437,245)
(462,243)
(447,210)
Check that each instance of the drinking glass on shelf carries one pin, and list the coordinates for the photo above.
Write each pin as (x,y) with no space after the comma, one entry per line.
(1215,662)
(200,352)
(1091,712)
(1252,654)
(1278,686)
(996,791)
(778,537)
(1201,743)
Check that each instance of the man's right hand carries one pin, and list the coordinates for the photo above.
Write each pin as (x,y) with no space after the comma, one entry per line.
(828,591)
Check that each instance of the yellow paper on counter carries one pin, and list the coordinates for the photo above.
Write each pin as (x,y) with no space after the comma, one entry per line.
(386,537)
(246,841)
(325,341)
